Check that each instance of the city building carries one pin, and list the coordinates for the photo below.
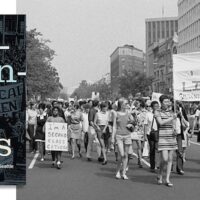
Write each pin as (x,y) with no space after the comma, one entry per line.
(163,73)
(188,26)
(12,28)
(157,30)
(123,58)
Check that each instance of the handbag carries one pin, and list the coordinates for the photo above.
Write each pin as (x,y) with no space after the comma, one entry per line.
(154,134)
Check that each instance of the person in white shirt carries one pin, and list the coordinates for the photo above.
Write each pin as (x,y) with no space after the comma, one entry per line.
(150,131)
(85,124)
(101,123)
(32,119)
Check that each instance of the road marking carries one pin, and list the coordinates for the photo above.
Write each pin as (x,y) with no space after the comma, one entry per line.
(143,160)
(195,143)
(33,161)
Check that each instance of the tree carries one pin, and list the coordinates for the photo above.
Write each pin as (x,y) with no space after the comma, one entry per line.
(85,90)
(43,78)
(133,82)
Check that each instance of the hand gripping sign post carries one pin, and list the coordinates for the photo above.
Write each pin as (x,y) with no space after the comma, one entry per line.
(56,136)
(186,76)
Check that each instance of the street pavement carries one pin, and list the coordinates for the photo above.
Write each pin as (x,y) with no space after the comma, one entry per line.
(82,180)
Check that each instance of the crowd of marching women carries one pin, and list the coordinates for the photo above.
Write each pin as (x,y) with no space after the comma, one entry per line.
(116,127)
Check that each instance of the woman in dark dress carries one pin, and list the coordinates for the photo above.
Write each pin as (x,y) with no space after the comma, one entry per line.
(40,134)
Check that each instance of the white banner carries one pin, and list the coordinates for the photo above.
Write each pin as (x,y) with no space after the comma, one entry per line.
(56,136)
(186,76)
(155,97)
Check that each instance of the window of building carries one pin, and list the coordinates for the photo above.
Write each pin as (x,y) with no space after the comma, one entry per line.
(149,33)
(158,30)
(172,27)
(154,31)
(167,29)
(163,29)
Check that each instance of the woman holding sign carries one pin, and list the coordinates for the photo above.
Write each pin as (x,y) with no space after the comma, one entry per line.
(56,155)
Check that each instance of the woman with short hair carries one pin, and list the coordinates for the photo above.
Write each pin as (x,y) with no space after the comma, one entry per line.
(101,120)
(167,143)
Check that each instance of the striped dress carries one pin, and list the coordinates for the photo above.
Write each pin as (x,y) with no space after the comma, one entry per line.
(167,138)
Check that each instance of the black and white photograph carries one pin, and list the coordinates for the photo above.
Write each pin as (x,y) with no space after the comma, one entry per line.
(112,99)
(12,100)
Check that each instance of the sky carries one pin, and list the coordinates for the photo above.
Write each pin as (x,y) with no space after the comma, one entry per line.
(84,33)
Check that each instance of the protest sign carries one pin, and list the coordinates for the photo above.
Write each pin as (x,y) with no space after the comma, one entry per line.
(155,97)
(11,99)
(186,76)
(56,136)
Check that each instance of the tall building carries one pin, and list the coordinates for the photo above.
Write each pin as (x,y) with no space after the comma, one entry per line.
(125,58)
(188,26)
(163,74)
(157,30)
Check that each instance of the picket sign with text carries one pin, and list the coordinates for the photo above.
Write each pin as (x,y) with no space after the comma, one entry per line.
(186,76)
(56,136)
(155,97)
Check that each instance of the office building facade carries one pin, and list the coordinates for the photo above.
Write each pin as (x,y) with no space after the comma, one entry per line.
(157,30)
(188,26)
(123,58)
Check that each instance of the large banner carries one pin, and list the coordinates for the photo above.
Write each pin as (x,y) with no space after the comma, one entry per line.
(186,76)
(56,136)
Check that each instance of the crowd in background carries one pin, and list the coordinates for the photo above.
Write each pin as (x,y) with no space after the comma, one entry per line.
(162,127)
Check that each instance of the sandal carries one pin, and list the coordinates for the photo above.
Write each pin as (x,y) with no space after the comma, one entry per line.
(169,184)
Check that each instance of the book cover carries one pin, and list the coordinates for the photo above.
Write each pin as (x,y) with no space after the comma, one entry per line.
(12,99)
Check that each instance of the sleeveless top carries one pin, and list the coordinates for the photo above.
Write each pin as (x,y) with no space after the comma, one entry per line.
(121,122)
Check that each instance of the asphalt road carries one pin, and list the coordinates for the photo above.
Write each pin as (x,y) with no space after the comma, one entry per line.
(80,179)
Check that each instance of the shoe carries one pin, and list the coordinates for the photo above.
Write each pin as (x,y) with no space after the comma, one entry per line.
(152,170)
(53,164)
(80,155)
(89,159)
(58,165)
(124,177)
(159,181)
(73,157)
(140,165)
(169,184)
(42,159)
(104,162)
(118,175)
(100,159)
(181,172)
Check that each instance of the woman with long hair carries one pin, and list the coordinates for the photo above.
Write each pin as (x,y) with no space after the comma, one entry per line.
(167,143)
(121,123)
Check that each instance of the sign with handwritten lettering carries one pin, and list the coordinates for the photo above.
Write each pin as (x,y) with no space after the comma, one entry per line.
(56,136)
